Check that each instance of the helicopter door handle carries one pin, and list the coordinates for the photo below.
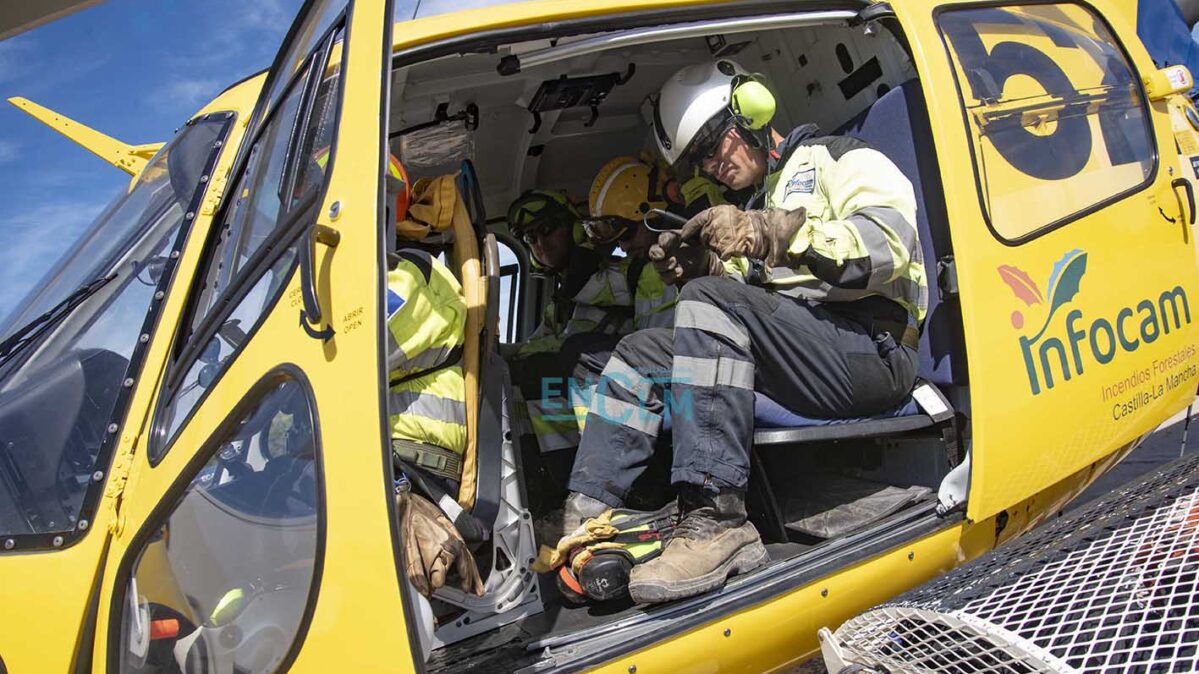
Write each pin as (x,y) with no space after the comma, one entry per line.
(1190,192)
(311,315)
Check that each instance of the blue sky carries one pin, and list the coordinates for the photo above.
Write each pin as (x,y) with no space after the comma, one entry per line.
(134,69)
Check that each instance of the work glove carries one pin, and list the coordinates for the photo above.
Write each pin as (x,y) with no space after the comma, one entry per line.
(434,552)
(760,235)
(678,261)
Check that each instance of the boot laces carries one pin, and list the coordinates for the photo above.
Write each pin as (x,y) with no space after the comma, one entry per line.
(695,525)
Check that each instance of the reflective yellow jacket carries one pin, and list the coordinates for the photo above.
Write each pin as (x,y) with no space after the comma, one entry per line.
(860,236)
(426,321)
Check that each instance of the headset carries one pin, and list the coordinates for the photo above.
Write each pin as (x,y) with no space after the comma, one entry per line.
(751,105)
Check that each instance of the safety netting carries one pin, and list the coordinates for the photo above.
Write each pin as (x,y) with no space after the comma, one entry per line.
(1110,588)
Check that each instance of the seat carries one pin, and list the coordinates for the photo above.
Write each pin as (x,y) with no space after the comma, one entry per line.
(476,256)
(897,126)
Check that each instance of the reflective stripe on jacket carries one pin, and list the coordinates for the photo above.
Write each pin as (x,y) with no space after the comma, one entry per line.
(603,305)
(426,321)
(860,235)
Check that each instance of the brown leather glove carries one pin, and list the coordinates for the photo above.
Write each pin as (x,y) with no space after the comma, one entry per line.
(678,261)
(762,235)
(434,552)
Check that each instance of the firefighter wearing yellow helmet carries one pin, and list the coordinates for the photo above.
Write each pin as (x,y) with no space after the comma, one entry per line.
(623,196)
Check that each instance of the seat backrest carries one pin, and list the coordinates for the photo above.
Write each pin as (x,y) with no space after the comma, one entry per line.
(897,125)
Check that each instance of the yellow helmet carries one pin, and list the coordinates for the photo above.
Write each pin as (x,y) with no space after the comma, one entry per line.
(627,187)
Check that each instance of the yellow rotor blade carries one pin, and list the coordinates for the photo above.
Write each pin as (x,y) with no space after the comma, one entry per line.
(129,158)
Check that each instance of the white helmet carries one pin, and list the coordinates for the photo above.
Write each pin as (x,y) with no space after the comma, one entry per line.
(698,105)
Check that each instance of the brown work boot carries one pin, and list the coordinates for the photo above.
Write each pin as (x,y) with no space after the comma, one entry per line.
(577,509)
(713,541)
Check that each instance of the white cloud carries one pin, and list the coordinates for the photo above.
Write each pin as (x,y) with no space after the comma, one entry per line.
(36,238)
(189,93)
(426,8)
(9,151)
(272,15)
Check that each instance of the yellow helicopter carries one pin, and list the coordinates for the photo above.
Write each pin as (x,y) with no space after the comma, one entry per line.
(196,473)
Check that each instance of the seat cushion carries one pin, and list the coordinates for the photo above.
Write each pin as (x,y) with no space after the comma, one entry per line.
(770,414)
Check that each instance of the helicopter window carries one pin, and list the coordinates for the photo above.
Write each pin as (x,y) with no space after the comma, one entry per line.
(304,38)
(221,583)
(513,276)
(283,174)
(1056,114)
(62,391)
(276,197)
(217,353)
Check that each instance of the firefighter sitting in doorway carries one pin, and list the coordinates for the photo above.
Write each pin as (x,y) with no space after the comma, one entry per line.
(812,293)
(426,399)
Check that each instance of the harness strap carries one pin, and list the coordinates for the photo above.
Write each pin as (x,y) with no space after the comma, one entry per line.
(452,358)
(436,460)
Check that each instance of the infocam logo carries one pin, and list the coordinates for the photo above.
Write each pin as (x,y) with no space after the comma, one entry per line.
(1064,349)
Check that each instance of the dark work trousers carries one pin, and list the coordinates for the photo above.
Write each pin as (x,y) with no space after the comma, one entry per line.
(576,366)
(826,360)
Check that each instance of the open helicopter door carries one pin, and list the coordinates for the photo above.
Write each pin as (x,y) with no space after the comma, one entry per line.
(1073,251)
(263,501)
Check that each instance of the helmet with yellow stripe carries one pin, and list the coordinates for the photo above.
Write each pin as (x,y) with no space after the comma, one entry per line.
(536,216)
(622,193)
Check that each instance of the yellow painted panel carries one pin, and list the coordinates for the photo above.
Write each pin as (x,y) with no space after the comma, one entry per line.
(43,598)
(1027,433)
(770,635)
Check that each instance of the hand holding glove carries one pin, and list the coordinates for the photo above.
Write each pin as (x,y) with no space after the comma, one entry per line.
(761,235)
(678,261)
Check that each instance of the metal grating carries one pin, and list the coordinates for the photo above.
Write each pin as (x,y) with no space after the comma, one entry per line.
(1112,588)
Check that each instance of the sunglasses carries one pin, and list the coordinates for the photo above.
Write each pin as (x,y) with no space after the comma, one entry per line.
(605,229)
(535,230)
(704,145)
